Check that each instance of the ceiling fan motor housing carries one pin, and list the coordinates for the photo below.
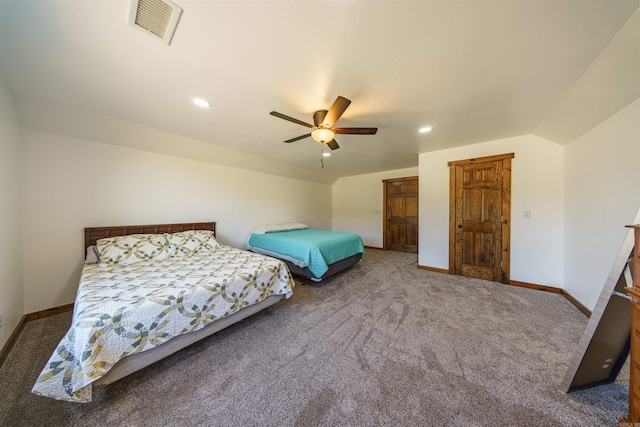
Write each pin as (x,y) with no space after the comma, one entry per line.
(318,117)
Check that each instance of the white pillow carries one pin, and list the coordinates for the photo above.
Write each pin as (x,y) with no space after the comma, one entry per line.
(133,248)
(191,242)
(267,228)
(92,255)
(294,226)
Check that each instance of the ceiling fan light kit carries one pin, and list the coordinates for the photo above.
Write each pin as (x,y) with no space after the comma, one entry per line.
(322,135)
(323,121)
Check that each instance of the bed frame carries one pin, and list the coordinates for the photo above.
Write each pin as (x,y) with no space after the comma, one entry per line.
(334,268)
(135,362)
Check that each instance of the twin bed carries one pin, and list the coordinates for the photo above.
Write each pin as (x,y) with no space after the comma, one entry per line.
(147,292)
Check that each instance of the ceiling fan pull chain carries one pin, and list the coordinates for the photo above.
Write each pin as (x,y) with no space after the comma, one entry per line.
(321,157)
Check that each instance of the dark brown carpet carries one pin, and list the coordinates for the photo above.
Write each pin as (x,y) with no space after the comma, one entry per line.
(383,343)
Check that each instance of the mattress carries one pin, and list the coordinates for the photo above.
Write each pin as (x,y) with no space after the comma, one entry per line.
(126,310)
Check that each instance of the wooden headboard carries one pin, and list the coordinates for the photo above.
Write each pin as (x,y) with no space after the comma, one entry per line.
(92,234)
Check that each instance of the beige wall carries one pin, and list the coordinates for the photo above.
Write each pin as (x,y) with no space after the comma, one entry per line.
(537,186)
(11,292)
(358,202)
(602,188)
(72,183)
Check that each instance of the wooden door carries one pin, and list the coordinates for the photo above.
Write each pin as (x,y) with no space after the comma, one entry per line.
(401,214)
(480,217)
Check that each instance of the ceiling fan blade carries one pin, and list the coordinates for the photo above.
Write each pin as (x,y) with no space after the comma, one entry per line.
(298,138)
(333,144)
(291,119)
(336,110)
(355,131)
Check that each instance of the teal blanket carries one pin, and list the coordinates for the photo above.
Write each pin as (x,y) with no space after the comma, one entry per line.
(315,248)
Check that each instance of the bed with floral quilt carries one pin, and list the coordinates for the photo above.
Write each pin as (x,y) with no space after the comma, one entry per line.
(146,292)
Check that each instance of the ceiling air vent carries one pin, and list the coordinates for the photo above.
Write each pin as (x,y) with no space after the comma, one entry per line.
(158,18)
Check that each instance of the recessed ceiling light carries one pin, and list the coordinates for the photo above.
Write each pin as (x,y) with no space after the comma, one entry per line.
(425,129)
(201,103)
(326,154)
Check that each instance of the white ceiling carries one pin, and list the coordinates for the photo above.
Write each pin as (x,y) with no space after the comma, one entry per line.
(474,70)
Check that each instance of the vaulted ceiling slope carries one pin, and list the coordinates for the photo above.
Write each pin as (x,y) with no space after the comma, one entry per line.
(473,70)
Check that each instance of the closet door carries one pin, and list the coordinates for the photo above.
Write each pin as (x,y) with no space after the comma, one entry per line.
(401,214)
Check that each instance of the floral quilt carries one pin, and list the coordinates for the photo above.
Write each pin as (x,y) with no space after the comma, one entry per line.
(126,309)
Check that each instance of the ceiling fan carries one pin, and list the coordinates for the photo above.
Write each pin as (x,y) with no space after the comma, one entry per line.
(323,120)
